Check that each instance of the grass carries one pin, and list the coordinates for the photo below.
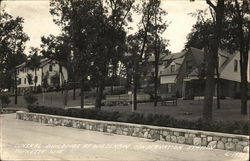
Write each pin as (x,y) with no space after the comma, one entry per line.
(186,109)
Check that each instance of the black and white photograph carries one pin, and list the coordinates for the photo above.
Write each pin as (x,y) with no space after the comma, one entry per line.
(124,80)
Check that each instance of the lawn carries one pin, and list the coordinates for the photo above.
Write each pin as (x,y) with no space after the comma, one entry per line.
(186,109)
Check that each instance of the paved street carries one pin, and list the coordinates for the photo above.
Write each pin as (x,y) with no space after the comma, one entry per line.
(24,140)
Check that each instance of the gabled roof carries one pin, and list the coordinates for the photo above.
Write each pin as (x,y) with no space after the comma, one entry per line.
(179,61)
(21,65)
(43,62)
(198,55)
(174,56)
(152,58)
(229,59)
(199,58)
(194,73)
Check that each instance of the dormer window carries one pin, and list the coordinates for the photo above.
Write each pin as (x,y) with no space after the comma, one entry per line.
(235,65)
(172,68)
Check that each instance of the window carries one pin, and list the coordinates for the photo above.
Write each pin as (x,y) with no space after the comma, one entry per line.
(50,68)
(172,68)
(19,80)
(170,88)
(24,80)
(235,65)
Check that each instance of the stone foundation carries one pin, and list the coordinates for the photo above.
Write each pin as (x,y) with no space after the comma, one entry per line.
(207,139)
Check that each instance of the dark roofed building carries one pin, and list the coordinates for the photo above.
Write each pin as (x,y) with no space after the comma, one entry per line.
(184,74)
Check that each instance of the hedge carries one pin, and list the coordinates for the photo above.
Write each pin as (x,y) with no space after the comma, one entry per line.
(236,127)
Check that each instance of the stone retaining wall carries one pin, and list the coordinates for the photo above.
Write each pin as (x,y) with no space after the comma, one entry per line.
(183,136)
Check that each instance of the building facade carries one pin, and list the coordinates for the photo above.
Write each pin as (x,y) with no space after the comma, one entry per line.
(184,74)
(49,71)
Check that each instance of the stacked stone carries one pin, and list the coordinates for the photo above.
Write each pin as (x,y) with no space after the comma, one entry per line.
(210,140)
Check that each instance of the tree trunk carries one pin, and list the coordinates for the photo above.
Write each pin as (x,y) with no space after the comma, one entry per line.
(156,53)
(74,87)
(82,93)
(244,90)
(244,49)
(244,83)
(212,54)
(112,84)
(15,83)
(35,79)
(218,85)
(135,91)
(61,73)
(156,82)
(209,89)
(66,96)
(99,95)
(156,75)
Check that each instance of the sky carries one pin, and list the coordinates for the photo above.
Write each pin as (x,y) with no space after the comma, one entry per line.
(38,21)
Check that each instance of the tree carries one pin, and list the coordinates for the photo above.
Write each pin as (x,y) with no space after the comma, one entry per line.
(114,35)
(82,21)
(30,78)
(97,36)
(212,54)
(34,62)
(238,13)
(158,27)
(45,83)
(199,38)
(12,45)
(58,48)
(150,26)
(119,16)
(4,100)
(234,36)
(55,80)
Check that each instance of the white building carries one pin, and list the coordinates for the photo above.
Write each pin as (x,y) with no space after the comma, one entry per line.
(47,68)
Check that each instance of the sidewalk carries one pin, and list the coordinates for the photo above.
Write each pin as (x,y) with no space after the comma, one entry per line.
(24,140)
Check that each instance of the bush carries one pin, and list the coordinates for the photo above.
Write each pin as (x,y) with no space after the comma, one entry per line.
(147,119)
(38,89)
(4,100)
(30,99)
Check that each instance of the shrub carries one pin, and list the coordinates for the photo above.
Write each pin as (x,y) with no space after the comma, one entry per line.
(39,89)
(30,99)
(147,119)
(4,100)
